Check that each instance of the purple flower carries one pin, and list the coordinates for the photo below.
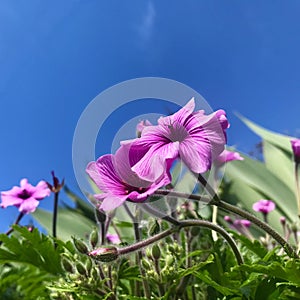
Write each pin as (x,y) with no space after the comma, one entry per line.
(113,238)
(114,177)
(264,206)
(193,136)
(296,149)
(245,223)
(26,197)
(227,156)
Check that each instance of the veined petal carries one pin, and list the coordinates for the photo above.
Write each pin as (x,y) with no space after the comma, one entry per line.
(180,116)
(196,155)
(153,163)
(103,173)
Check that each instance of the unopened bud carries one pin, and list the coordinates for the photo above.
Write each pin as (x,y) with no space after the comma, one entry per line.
(146,264)
(100,216)
(67,265)
(94,237)
(228,219)
(294,227)
(106,254)
(156,252)
(169,260)
(80,246)
(89,265)
(282,220)
(81,269)
(154,229)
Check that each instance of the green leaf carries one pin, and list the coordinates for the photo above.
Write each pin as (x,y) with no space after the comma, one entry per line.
(253,181)
(279,140)
(280,164)
(205,277)
(69,223)
(81,205)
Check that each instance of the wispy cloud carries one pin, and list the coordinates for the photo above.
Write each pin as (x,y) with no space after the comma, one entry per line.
(146,27)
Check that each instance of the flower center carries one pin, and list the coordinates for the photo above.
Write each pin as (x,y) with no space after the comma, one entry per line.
(24,195)
(177,132)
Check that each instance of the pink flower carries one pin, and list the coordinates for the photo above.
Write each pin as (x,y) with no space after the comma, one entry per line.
(140,127)
(114,177)
(113,238)
(193,136)
(245,223)
(264,206)
(26,197)
(227,156)
(296,149)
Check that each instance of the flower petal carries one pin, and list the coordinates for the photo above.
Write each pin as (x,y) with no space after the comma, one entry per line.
(111,202)
(41,191)
(103,173)
(29,205)
(154,162)
(10,198)
(196,154)
(180,116)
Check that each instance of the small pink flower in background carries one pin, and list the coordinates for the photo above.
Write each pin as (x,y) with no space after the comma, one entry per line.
(227,156)
(264,206)
(245,223)
(140,127)
(228,219)
(113,238)
(296,149)
(26,197)
(193,136)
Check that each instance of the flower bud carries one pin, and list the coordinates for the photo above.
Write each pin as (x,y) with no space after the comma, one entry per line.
(294,227)
(154,229)
(156,252)
(169,260)
(89,265)
(67,265)
(95,274)
(106,254)
(282,220)
(80,246)
(296,149)
(81,269)
(146,264)
(100,216)
(94,237)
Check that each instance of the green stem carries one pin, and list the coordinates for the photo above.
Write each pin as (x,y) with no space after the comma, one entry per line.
(19,218)
(184,223)
(150,209)
(139,254)
(234,209)
(54,221)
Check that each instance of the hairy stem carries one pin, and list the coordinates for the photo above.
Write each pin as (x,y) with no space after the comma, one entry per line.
(234,209)
(184,223)
(151,210)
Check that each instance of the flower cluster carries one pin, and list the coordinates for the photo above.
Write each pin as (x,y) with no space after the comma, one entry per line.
(142,165)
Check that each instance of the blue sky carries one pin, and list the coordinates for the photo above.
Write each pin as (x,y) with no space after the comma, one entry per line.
(56,56)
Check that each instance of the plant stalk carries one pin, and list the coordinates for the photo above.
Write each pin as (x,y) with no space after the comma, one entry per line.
(234,209)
